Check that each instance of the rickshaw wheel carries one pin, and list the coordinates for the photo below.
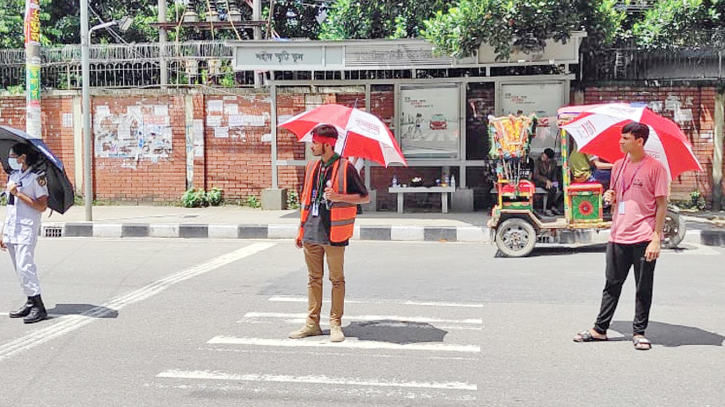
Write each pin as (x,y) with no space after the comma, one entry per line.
(674,230)
(515,238)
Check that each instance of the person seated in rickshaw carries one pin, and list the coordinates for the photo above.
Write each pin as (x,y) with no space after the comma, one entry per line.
(545,176)
(589,168)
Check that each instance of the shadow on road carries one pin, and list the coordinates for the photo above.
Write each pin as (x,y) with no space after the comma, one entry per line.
(89,310)
(540,251)
(400,332)
(671,335)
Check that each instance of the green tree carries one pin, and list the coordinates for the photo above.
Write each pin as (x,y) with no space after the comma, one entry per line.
(296,19)
(364,19)
(676,23)
(519,24)
(12,17)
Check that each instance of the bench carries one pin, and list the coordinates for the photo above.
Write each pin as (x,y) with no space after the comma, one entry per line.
(444,191)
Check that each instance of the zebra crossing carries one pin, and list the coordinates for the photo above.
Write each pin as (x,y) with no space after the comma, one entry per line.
(399,352)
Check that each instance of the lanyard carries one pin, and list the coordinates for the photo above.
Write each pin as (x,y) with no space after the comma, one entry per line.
(626,188)
(322,175)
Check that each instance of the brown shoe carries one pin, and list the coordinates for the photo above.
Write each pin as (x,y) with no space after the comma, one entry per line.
(336,334)
(305,331)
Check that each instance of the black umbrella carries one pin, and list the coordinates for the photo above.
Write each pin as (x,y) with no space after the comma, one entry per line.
(60,190)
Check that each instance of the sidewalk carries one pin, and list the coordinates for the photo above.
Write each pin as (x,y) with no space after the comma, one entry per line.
(236,222)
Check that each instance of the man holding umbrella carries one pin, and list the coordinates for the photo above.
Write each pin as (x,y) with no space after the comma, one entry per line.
(329,199)
(639,204)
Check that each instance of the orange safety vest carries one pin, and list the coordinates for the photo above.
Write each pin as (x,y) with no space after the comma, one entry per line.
(342,215)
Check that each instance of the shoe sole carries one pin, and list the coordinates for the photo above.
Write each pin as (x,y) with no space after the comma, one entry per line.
(304,336)
(35,320)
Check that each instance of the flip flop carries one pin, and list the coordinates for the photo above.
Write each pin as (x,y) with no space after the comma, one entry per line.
(641,343)
(586,336)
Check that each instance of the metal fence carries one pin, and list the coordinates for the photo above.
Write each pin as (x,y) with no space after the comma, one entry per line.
(126,65)
(209,62)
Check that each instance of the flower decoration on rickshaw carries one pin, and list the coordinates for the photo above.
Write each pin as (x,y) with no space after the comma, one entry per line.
(586,208)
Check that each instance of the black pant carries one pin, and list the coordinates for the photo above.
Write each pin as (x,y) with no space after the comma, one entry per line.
(620,257)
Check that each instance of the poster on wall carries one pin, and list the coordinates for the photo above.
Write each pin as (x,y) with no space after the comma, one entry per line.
(429,122)
(137,133)
(544,99)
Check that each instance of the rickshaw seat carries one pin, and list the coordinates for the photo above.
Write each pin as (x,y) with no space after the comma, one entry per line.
(525,187)
(586,187)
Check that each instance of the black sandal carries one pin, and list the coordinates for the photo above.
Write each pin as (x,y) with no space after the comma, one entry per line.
(586,336)
(641,343)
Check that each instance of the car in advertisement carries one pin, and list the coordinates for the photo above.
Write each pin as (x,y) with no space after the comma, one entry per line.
(438,122)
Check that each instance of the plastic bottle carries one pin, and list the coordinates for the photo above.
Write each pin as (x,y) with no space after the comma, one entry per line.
(447,180)
(395,181)
(453,181)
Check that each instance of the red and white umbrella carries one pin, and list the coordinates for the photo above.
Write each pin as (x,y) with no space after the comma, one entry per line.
(597,131)
(362,134)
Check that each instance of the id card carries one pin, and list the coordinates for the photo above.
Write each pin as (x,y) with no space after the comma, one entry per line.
(621,208)
(315,209)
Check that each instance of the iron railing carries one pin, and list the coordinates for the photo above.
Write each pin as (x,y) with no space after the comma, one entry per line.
(125,65)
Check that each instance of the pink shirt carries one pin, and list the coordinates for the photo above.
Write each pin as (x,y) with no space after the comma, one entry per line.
(636,187)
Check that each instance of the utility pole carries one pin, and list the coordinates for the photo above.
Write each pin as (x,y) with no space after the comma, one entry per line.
(33,118)
(257,16)
(87,145)
(162,44)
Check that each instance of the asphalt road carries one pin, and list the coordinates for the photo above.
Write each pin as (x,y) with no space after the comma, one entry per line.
(170,322)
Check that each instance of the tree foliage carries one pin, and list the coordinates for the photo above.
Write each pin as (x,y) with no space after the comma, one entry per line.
(518,24)
(296,19)
(360,19)
(676,23)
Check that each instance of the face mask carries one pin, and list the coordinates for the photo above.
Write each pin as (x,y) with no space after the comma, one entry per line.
(14,164)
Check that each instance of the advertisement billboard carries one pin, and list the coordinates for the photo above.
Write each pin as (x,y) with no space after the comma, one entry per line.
(430,121)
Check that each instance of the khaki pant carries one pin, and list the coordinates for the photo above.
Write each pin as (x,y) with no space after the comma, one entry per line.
(314,257)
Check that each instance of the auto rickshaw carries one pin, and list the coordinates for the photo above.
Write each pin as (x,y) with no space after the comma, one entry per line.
(515,226)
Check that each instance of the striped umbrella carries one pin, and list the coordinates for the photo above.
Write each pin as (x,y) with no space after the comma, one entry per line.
(597,131)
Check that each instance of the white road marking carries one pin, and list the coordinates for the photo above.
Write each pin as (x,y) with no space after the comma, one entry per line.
(284,298)
(354,392)
(346,354)
(350,343)
(392,324)
(74,322)
(319,379)
(395,318)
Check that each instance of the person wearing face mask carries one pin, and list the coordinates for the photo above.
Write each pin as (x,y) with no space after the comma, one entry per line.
(27,199)
(329,201)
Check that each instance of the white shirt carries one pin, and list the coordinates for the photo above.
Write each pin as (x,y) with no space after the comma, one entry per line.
(22,223)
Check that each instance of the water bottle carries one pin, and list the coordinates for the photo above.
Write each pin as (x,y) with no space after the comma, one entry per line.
(447,181)
(395,181)
(453,181)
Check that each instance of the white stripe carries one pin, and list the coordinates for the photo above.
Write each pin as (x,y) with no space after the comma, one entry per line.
(395,324)
(349,343)
(74,322)
(281,298)
(319,379)
(368,318)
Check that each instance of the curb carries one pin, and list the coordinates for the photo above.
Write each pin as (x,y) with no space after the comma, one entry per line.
(473,234)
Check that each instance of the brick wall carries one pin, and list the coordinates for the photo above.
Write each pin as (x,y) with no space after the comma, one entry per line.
(56,133)
(238,159)
(691,107)
(140,179)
